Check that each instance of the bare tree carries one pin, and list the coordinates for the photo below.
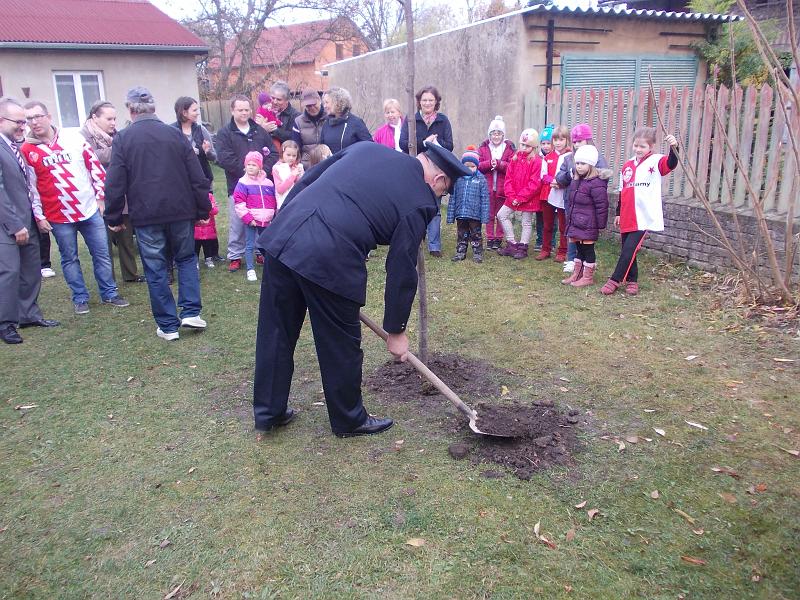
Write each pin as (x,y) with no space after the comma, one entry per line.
(379,20)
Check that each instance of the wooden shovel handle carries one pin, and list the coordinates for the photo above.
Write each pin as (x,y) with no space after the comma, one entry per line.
(425,371)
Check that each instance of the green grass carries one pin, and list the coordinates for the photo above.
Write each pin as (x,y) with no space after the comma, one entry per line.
(98,474)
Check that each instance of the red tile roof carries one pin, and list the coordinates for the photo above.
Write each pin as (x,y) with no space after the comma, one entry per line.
(91,22)
(303,41)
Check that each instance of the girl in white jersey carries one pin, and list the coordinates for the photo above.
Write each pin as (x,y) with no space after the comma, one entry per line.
(639,209)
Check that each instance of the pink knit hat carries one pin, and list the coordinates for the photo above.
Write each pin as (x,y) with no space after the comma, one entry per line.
(581,132)
(254,157)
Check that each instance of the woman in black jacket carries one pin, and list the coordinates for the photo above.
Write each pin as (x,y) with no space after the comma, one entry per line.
(432,126)
(341,128)
(187,113)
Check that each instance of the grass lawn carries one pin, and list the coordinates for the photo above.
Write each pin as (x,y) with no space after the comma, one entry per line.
(138,471)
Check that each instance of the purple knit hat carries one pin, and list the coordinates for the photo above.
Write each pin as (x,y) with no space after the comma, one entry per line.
(263,98)
(581,132)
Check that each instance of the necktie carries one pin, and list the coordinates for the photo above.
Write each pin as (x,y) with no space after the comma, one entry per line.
(20,160)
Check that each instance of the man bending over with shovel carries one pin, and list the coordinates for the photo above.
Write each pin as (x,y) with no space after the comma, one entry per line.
(316,250)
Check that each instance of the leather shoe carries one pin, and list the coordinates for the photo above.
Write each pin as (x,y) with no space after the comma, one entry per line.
(40,323)
(371,426)
(281,421)
(10,335)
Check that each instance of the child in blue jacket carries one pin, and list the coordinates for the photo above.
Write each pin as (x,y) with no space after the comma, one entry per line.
(469,208)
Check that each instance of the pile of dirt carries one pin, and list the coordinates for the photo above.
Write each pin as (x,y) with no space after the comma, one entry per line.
(541,436)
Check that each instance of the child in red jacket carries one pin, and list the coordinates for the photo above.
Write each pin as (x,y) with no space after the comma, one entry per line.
(522,188)
(495,153)
(205,236)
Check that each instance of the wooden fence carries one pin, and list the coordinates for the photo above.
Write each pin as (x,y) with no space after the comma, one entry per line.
(753,120)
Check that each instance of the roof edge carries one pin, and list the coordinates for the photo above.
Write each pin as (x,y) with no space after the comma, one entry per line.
(78,46)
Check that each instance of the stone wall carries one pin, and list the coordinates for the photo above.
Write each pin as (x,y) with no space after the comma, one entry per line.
(682,241)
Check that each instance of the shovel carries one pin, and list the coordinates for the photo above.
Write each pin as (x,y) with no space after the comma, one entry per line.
(431,376)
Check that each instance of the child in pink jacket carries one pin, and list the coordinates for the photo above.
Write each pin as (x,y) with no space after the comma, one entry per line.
(287,171)
(205,236)
(254,202)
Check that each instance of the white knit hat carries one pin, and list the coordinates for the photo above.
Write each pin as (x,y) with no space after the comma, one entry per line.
(587,154)
(529,137)
(497,124)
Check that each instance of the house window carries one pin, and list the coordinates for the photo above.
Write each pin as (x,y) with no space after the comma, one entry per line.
(339,51)
(75,94)
(356,50)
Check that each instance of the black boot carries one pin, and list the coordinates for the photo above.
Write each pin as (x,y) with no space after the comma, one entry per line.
(461,251)
(477,252)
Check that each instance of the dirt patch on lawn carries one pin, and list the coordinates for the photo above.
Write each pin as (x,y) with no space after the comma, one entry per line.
(541,435)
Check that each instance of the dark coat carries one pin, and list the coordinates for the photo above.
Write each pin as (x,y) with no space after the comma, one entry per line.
(284,130)
(153,165)
(340,132)
(199,134)
(587,208)
(440,126)
(232,146)
(365,196)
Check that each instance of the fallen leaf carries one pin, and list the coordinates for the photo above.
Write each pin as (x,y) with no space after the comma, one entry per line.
(149,563)
(698,531)
(568,588)
(691,357)
(688,518)
(164,544)
(317,404)
(697,425)
(728,497)
(593,513)
(175,591)
(563,389)
(191,470)
(564,379)
(692,560)
(655,495)
(399,442)
(620,446)
(25,406)
(660,432)
(761,487)
(649,410)
(536,528)
(632,439)
(648,439)
(784,360)
(570,535)
(129,379)
(547,542)
(504,391)
(192,366)
(581,505)
(416,542)
(726,471)
(792,452)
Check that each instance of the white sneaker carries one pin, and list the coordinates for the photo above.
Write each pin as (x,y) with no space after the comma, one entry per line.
(193,322)
(210,263)
(47,272)
(569,266)
(174,335)
(251,275)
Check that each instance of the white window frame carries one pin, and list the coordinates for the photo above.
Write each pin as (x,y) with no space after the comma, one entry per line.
(76,84)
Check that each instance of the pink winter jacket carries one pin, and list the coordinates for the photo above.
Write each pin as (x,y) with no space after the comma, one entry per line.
(254,199)
(208,231)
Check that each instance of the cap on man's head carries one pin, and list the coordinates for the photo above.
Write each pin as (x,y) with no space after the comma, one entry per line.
(309,97)
(447,162)
(139,94)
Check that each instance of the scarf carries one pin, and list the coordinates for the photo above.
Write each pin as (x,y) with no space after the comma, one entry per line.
(497,151)
(428,119)
(102,139)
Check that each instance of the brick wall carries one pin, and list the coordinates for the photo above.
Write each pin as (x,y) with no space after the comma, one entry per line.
(681,241)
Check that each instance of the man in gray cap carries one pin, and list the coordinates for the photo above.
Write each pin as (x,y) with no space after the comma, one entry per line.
(365,196)
(154,166)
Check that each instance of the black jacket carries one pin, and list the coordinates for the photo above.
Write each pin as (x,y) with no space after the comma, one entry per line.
(232,146)
(365,196)
(153,165)
(340,132)
(198,137)
(440,126)
(287,118)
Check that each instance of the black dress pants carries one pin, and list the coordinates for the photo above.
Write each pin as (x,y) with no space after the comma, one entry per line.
(285,296)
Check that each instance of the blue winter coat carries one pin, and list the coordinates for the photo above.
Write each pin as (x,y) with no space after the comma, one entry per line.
(470,199)
(587,208)
(340,132)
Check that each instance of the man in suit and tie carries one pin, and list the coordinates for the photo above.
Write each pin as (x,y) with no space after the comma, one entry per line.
(20,275)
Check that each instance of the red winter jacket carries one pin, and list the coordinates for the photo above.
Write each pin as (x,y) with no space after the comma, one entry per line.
(552,165)
(208,231)
(499,172)
(523,182)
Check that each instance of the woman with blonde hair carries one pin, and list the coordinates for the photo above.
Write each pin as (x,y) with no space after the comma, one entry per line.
(341,128)
(389,134)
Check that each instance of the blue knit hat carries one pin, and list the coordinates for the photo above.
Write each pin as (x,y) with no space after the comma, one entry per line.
(471,155)
(547,134)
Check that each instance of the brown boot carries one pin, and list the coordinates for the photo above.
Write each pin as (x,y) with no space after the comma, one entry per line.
(508,250)
(576,274)
(587,277)
(543,255)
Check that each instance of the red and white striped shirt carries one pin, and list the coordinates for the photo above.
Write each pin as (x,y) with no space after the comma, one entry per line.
(68,176)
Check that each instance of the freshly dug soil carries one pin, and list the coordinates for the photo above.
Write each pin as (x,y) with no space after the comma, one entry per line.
(541,435)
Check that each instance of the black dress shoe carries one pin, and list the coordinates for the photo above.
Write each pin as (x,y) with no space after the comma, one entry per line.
(371,426)
(10,335)
(287,418)
(40,323)
(139,279)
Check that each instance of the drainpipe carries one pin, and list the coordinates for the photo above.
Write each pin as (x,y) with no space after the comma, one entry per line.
(551,34)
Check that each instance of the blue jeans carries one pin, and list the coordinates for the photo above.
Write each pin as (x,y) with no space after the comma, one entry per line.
(154,241)
(435,230)
(93,231)
(251,234)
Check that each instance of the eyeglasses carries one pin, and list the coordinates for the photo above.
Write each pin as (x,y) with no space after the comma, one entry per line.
(33,118)
(20,123)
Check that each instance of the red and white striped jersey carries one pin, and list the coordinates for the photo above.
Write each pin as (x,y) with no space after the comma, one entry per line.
(69,177)
(640,194)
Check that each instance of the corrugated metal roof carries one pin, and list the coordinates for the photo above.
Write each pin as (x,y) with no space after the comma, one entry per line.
(106,23)
(637,13)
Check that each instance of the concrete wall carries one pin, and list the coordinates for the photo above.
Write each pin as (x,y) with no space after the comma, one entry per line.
(477,70)
(167,75)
